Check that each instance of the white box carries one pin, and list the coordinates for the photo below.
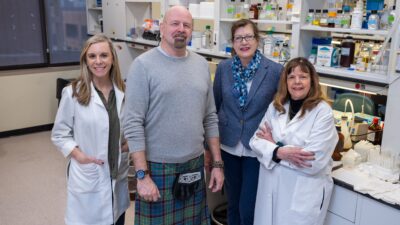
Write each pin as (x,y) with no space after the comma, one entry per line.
(324,55)
(194,9)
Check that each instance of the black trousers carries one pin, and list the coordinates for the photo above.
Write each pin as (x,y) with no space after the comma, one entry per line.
(121,220)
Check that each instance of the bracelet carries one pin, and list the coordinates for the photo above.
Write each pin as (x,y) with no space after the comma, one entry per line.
(217,164)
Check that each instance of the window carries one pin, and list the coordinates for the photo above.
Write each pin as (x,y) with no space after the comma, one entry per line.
(41,32)
(65,19)
(21,33)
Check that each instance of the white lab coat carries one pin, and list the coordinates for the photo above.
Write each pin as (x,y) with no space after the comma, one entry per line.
(288,195)
(89,186)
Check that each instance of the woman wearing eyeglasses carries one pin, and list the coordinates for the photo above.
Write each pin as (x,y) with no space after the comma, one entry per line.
(244,86)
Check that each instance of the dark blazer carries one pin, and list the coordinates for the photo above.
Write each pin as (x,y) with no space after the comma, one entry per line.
(236,124)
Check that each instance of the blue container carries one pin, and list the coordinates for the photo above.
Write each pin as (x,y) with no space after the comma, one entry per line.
(375,4)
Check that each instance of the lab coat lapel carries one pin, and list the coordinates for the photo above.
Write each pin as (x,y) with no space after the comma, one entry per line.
(119,95)
(95,96)
(260,75)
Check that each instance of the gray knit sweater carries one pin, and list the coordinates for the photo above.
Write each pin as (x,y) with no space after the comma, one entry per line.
(169,106)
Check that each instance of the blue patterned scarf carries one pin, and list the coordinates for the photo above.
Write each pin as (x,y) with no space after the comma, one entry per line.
(243,75)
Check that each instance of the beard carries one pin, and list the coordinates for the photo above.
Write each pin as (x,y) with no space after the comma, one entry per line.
(180,41)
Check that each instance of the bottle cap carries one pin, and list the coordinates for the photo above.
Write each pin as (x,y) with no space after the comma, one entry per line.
(375,120)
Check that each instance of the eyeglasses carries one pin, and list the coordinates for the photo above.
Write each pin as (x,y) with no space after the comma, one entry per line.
(239,39)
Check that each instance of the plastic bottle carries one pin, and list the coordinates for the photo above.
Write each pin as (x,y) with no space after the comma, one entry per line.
(346,18)
(239,8)
(310,17)
(269,42)
(373,20)
(384,21)
(246,11)
(392,17)
(206,38)
(262,12)
(284,53)
(230,9)
(313,56)
(338,19)
(289,10)
(276,50)
(280,14)
(344,129)
(375,132)
(357,16)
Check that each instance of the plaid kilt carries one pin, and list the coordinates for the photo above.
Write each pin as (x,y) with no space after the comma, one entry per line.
(168,210)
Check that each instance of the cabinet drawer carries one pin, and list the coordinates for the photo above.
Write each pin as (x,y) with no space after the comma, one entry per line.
(374,212)
(332,219)
(343,203)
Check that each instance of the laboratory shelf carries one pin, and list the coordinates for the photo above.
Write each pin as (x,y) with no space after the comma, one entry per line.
(95,8)
(259,21)
(378,77)
(142,1)
(345,30)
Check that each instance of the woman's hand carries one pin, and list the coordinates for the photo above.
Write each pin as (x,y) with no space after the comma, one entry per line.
(296,156)
(265,132)
(82,158)
(124,146)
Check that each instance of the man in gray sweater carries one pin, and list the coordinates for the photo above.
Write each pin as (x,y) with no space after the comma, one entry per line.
(169,110)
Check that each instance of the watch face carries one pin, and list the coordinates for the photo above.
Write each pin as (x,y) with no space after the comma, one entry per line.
(140,174)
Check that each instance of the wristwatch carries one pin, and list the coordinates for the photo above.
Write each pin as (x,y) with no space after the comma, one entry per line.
(140,174)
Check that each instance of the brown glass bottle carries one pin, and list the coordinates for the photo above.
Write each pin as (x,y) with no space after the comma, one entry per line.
(253,12)
(347,52)
(375,132)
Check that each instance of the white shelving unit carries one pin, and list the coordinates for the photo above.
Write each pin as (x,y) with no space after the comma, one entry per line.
(309,31)
(122,16)
(94,13)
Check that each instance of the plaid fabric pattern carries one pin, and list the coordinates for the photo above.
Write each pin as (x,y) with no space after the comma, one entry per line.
(168,210)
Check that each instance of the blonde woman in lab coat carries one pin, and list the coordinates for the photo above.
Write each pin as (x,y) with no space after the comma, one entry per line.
(87,132)
(294,143)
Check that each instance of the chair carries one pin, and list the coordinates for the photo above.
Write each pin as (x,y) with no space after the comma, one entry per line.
(357,100)
(61,83)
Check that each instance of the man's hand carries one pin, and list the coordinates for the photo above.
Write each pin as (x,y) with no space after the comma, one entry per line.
(216,179)
(296,156)
(147,189)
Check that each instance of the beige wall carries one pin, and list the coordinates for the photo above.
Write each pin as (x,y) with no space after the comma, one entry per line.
(28,97)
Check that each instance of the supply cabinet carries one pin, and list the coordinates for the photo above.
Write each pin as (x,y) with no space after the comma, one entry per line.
(350,208)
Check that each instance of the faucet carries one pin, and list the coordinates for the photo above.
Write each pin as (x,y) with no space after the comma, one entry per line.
(348,101)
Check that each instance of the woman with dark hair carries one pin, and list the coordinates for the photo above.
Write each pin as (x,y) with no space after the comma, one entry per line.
(87,132)
(244,86)
(294,144)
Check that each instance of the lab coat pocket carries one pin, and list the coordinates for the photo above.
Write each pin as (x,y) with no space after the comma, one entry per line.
(83,178)
(308,198)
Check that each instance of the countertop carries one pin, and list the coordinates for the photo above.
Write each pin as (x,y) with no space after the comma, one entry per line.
(353,179)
